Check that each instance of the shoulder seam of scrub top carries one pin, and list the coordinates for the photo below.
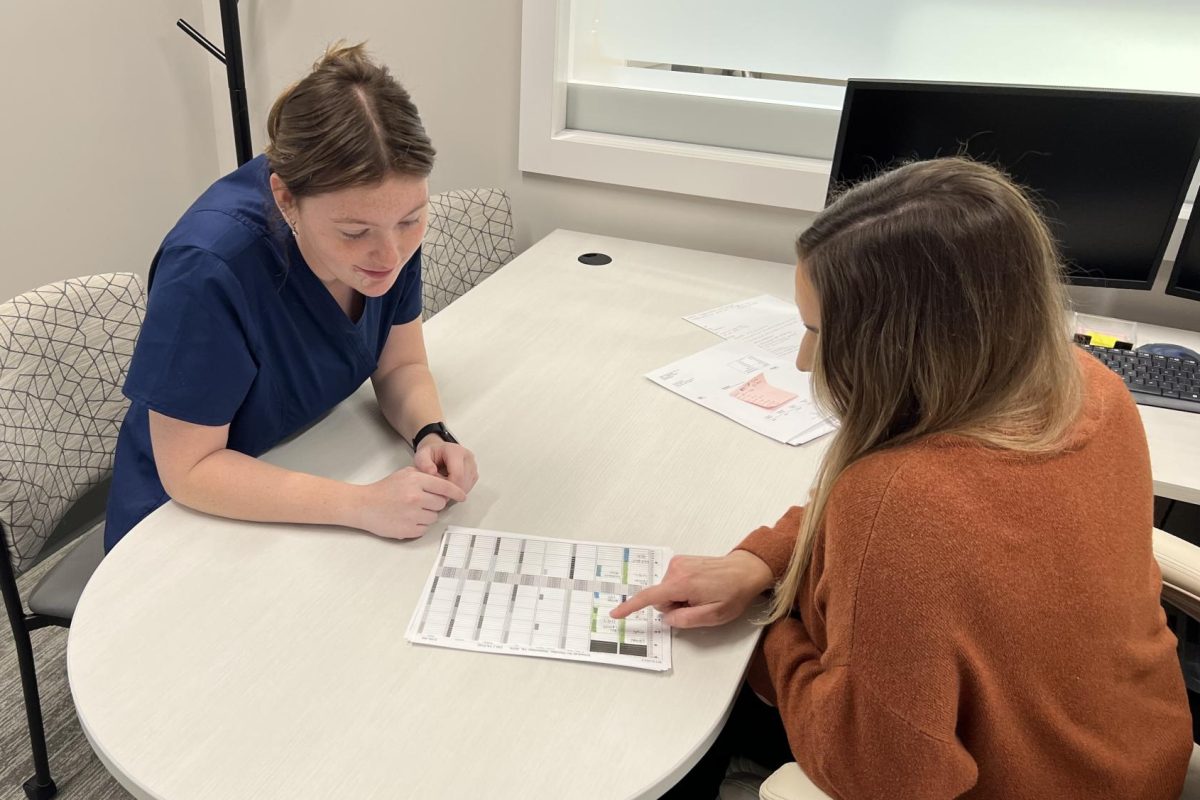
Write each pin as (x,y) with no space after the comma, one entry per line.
(214,256)
(236,214)
(254,228)
(251,227)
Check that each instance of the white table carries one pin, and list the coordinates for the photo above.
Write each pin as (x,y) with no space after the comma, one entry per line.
(217,659)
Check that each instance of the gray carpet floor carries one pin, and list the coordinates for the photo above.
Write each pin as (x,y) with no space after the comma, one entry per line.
(74,767)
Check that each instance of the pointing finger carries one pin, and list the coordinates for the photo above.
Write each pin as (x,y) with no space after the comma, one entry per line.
(659,594)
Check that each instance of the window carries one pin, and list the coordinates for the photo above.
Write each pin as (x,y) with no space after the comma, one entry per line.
(741,101)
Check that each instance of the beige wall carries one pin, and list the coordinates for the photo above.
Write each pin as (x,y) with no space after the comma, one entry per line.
(461,60)
(98,185)
(106,134)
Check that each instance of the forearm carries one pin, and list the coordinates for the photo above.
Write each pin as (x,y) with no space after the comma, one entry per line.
(408,398)
(231,484)
(774,545)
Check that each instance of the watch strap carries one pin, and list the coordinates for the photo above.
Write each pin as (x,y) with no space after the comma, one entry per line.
(434,427)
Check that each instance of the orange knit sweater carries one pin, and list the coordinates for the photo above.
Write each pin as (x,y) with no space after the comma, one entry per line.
(984,624)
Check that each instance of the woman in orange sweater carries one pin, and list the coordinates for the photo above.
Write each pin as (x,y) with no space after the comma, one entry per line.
(968,605)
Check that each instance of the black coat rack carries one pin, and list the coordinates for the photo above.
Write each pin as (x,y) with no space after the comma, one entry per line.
(232,59)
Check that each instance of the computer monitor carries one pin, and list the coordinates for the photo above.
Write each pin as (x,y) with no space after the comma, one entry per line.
(1185,277)
(1110,168)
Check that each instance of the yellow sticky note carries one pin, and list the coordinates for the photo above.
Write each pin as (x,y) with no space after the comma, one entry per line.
(1102,339)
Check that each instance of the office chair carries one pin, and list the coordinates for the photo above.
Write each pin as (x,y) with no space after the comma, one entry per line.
(64,351)
(1180,564)
(469,238)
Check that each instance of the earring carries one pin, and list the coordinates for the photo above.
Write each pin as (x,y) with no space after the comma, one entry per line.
(291,225)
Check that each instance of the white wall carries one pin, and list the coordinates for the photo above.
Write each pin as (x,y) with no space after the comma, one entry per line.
(113,141)
(106,135)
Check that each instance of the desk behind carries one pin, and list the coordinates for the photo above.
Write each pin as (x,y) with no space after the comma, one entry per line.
(1173,436)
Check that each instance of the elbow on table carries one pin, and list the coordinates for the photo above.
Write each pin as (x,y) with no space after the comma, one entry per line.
(180,481)
(174,484)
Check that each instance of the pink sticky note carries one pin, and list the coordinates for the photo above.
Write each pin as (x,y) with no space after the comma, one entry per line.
(760,393)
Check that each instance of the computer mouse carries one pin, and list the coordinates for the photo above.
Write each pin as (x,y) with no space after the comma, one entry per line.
(1169,350)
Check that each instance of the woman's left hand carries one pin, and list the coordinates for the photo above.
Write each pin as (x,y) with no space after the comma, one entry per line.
(455,462)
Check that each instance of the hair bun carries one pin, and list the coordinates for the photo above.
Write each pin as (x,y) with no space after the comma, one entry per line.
(350,61)
(346,123)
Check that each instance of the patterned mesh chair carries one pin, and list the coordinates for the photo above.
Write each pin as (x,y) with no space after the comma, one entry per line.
(64,350)
(469,238)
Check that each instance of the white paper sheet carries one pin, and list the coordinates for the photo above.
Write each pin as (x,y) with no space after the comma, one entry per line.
(497,592)
(815,432)
(766,321)
(709,377)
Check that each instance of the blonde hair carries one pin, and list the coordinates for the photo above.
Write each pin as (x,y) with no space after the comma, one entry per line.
(347,123)
(943,311)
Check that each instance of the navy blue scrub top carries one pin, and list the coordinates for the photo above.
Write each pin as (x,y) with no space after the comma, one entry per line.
(239,330)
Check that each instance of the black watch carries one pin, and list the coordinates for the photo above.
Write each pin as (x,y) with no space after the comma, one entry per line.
(434,427)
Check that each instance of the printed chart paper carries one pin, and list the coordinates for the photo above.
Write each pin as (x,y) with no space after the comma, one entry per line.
(711,376)
(526,595)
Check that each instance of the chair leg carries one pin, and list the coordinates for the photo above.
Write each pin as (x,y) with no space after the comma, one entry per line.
(41,785)
(37,791)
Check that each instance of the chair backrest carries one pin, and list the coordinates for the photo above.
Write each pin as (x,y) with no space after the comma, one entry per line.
(1179,561)
(469,238)
(64,351)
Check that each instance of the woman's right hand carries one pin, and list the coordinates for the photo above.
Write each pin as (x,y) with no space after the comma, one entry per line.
(404,504)
(700,591)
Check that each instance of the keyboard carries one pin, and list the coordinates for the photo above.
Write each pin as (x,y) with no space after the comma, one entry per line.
(1154,380)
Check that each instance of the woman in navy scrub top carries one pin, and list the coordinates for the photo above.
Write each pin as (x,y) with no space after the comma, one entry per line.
(285,286)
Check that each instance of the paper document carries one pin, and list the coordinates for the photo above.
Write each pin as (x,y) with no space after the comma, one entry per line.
(712,377)
(767,321)
(525,595)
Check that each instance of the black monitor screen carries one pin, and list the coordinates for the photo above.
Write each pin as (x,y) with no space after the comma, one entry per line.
(1109,169)
(1185,278)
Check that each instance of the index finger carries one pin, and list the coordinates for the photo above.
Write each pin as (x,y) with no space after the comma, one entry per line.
(439,485)
(658,594)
